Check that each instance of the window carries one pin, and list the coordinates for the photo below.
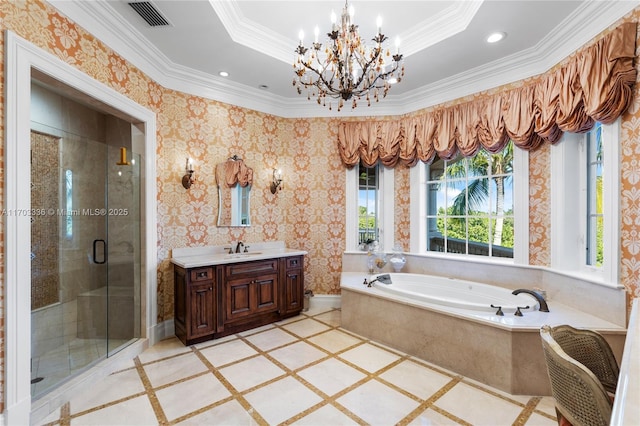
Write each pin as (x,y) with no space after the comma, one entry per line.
(470,205)
(68,192)
(366,215)
(585,188)
(367,204)
(594,231)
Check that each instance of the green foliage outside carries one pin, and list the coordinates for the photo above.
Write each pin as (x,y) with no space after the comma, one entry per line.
(500,168)
(366,221)
(599,223)
(478,227)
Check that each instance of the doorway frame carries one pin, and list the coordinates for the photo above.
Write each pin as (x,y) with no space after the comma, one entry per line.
(21,57)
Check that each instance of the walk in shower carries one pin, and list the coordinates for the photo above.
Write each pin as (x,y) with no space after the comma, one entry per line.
(85,236)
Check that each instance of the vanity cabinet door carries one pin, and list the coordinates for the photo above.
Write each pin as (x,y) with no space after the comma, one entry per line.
(293,284)
(250,295)
(194,304)
(266,288)
(201,321)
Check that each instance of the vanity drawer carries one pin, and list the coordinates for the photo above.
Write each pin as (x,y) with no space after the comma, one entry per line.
(201,274)
(252,268)
(294,262)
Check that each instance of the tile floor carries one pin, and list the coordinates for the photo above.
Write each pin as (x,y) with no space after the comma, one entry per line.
(304,371)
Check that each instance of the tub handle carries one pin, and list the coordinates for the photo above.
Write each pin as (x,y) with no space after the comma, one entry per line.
(519,312)
(499,312)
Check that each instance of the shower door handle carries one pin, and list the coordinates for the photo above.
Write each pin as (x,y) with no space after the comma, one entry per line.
(104,251)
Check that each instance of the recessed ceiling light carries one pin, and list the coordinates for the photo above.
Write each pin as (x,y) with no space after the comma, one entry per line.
(496,37)
(263,87)
(223,74)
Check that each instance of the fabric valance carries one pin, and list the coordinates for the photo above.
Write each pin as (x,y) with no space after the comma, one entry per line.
(594,85)
(232,172)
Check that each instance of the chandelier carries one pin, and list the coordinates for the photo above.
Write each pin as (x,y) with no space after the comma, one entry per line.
(346,69)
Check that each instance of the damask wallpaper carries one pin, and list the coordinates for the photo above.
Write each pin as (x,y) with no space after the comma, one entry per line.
(309,212)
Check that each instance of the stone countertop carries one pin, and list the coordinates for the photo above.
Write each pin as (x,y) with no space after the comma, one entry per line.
(626,409)
(196,257)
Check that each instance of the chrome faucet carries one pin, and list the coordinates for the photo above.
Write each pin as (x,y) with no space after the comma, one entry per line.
(239,247)
(384,279)
(543,303)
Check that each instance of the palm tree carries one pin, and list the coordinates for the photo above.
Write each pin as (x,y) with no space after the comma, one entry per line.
(476,192)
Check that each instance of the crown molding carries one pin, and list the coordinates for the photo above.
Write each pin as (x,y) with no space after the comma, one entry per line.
(585,23)
(589,20)
(252,34)
(441,26)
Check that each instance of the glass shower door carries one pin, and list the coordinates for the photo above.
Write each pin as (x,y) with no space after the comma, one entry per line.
(123,235)
(85,241)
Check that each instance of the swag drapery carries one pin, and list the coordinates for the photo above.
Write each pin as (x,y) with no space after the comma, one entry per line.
(594,85)
(232,172)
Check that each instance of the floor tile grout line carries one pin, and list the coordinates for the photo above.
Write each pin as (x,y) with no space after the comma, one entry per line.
(237,395)
(106,405)
(545,414)
(526,412)
(202,410)
(429,402)
(156,361)
(180,380)
(65,414)
(449,415)
(151,394)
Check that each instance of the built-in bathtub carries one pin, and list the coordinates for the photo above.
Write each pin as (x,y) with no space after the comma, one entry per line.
(454,293)
(451,323)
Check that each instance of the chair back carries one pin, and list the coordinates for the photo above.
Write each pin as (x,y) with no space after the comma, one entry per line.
(579,395)
(590,349)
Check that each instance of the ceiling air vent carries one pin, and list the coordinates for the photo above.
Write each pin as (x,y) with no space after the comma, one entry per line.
(149,13)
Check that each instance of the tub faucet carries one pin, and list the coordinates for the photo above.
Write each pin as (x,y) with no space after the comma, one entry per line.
(543,303)
(384,279)
(239,247)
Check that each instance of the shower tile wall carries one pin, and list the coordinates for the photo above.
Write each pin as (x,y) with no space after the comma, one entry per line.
(44,194)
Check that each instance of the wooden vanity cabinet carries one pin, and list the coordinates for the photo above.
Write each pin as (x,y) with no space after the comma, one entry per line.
(215,301)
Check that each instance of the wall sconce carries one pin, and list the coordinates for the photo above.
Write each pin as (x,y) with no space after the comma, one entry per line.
(188,179)
(276,184)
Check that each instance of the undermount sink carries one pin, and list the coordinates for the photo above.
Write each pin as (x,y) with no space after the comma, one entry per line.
(244,254)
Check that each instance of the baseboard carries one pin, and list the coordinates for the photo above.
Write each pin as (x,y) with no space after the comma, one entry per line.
(161,331)
(325,301)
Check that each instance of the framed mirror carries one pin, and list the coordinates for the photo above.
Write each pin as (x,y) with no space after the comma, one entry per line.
(234,180)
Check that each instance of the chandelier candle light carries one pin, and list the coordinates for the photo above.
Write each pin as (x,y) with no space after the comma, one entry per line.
(347,69)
